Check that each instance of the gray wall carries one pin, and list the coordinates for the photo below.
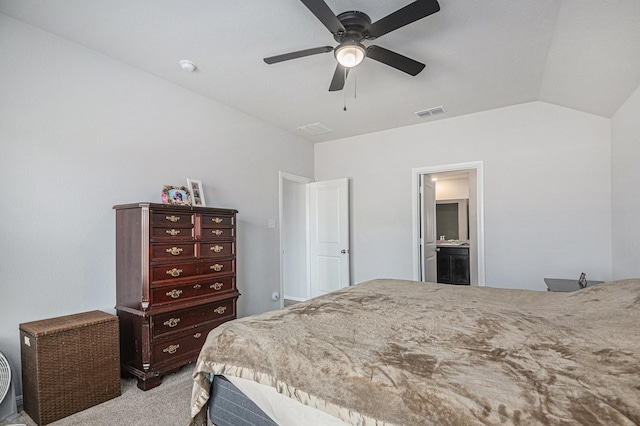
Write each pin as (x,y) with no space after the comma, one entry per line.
(625,180)
(79,133)
(547,191)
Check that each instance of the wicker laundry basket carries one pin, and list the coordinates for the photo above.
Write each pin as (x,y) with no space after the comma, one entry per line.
(69,364)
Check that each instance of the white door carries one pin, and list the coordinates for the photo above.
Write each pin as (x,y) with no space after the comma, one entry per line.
(329,235)
(428,248)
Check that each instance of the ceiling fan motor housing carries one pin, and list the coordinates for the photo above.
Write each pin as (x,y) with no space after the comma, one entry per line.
(356,23)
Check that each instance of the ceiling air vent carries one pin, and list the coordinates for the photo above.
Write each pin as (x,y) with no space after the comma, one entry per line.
(315,129)
(429,112)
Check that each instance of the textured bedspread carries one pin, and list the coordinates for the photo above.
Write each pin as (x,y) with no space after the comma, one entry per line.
(391,352)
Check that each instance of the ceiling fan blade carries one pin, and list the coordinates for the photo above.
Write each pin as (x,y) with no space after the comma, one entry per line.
(395,60)
(339,77)
(298,54)
(325,15)
(410,13)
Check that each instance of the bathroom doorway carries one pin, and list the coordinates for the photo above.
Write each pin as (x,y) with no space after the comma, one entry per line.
(461,197)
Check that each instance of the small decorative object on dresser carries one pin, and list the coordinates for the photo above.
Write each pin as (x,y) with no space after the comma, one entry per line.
(175,282)
(177,195)
(195,188)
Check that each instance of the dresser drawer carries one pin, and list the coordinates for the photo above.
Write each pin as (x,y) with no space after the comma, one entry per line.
(186,318)
(215,234)
(171,234)
(184,345)
(161,295)
(218,249)
(179,347)
(172,251)
(172,219)
(216,221)
(219,267)
(171,271)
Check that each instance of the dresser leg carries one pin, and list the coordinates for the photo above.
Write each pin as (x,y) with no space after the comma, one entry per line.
(149,383)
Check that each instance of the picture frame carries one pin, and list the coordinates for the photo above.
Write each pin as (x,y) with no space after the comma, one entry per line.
(197,195)
(176,195)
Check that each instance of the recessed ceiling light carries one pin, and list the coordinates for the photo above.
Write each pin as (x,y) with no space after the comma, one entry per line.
(187,65)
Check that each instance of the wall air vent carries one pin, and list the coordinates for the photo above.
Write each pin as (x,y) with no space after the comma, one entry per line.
(315,129)
(429,112)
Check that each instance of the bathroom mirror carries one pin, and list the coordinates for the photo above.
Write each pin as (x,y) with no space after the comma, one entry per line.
(452,219)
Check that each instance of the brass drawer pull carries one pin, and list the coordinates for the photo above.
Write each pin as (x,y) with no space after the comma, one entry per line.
(197,335)
(174,272)
(172,322)
(220,310)
(172,218)
(174,251)
(217,220)
(171,349)
(173,232)
(216,232)
(217,248)
(216,286)
(217,267)
(197,286)
(174,293)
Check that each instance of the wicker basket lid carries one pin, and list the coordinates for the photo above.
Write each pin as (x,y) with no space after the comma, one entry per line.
(69,322)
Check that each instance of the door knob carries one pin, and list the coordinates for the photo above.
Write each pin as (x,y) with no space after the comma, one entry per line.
(343,251)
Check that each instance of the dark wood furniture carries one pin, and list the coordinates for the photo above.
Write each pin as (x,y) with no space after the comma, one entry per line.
(69,364)
(556,284)
(175,282)
(453,265)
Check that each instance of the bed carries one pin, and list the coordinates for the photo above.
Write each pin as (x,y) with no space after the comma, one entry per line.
(396,352)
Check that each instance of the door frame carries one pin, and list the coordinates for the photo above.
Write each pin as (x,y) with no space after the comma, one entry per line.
(415,191)
(282,176)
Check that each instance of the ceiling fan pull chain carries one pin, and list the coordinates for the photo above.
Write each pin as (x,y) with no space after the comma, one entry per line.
(345,92)
(355,83)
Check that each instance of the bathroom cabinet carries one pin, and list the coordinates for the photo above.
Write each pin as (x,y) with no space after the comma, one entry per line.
(453,265)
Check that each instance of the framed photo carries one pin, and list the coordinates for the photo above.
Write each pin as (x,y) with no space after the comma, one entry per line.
(178,195)
(195,188)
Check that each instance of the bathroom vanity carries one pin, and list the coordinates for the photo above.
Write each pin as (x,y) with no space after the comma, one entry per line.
(453,264)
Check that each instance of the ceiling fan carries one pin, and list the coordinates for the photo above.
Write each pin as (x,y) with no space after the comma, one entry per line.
(350,29)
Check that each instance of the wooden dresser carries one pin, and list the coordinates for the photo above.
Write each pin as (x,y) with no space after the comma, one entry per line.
(175,281)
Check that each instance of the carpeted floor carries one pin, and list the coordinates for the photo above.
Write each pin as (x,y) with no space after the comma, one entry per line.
(165,405)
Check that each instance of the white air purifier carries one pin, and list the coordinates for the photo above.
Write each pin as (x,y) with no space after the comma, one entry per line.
(8,408)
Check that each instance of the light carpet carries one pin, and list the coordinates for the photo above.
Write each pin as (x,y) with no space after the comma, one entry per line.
(165,405)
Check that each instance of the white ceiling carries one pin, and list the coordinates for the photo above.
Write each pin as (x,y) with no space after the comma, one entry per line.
(480,55)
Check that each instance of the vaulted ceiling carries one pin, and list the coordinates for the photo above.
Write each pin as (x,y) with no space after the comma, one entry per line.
(479,55)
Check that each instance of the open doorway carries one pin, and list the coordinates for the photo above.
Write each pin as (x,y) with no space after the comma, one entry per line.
(294,267)
(314,237)
(460,197)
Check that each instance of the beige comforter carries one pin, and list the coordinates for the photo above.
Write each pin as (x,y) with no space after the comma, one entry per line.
(391,352)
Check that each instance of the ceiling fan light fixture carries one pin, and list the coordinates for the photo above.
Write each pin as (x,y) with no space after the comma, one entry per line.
(350,53)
